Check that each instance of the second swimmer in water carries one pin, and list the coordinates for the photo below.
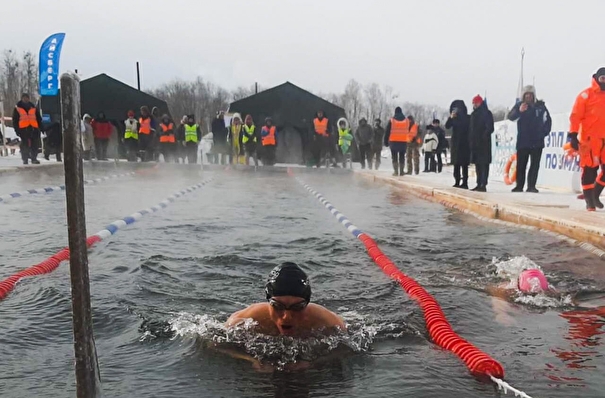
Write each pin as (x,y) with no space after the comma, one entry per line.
(288,310)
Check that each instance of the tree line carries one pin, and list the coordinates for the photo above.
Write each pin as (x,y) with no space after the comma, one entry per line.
(203,98)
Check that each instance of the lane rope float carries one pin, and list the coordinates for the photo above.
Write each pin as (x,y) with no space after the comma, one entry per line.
(52,263)
(14,195)
(440,330)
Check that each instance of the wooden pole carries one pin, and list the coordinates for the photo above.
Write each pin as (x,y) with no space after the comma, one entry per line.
(87,373)
(3,130)
(138,77)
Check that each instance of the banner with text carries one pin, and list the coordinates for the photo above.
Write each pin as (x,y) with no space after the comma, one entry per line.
(50,53)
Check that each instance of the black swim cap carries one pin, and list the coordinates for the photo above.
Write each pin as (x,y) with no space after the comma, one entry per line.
(288,279)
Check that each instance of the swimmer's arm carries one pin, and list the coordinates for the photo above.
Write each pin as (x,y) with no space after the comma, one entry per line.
(240,316)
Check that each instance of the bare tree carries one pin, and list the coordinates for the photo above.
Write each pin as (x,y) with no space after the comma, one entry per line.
(353,101)
(10,80)
(29,74)
(375,101)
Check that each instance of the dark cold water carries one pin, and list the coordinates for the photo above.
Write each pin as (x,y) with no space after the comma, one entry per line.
(208,254)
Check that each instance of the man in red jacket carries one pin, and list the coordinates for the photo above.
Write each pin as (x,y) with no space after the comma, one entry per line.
(101,129)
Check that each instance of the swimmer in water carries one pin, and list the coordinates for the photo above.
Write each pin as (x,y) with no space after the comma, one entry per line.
(531,282)
(288,310)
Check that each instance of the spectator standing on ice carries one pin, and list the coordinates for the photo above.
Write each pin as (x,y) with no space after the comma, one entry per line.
(53,143)
(145,135)
(155,133)
(101,129)
(345,139)
(320,145)
(431,143)
(442,146)
(397,136)
(533,124)
(377,144)
(27,122)
(459,122)
(587,136)
(480,138)
(364,135)
(167,139)
(413,149)
(190,135)
(235,130)
(88,137)
(131,137)
(249,140)
(268,136)
(219,138)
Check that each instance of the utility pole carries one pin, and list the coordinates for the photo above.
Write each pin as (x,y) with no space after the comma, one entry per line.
(138,77)
(88,383)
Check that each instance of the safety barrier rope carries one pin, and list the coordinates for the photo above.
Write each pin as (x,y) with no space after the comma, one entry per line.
(440,330)
(53,262)
(13,195)
(504,386)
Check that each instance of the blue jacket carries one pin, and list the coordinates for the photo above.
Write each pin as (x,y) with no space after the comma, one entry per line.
(532,125)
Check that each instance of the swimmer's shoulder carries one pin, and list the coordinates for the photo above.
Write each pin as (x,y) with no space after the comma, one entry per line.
(258,312)
(323,317)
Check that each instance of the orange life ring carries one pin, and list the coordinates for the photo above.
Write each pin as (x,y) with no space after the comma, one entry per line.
(508,178)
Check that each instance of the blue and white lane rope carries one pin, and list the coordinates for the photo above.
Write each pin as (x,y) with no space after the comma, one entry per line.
(112,228)
(52,263)
(502,385)
(14,195)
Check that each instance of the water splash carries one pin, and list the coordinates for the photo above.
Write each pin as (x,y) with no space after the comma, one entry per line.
(512,268)
(280,351)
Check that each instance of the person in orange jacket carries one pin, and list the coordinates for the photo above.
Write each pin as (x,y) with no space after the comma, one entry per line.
(587,136)
(413,150)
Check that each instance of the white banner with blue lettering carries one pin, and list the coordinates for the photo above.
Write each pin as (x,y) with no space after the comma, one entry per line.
(50,53)
(556,170)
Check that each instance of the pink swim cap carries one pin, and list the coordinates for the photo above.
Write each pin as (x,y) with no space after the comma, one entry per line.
(532,281)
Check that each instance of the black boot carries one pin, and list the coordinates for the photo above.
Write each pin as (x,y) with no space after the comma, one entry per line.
(401,170)
(395,168)
(598,188)
(590,199)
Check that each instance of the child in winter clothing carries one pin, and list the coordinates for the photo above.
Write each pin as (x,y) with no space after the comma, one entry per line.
(431,142)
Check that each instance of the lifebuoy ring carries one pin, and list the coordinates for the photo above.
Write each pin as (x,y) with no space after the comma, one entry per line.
(508,178)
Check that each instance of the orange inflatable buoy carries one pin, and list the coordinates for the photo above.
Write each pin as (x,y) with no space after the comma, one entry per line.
(508,177)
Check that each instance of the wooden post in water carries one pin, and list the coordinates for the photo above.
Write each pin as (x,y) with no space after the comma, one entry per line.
(87,372)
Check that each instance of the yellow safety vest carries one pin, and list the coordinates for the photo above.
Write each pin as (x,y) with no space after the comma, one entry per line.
(191,133)
(249,134)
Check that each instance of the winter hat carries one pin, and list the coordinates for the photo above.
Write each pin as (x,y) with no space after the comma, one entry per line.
(600,72)
(398,110)
(529,89)
(130,113)
(477,100)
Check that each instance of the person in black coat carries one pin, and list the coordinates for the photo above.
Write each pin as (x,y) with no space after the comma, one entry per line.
(480,139)
(443,144)
(219,138)
(533,124)
(460,148)
(53,142)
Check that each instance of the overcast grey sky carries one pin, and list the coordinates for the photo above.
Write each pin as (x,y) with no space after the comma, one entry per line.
(429,51)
